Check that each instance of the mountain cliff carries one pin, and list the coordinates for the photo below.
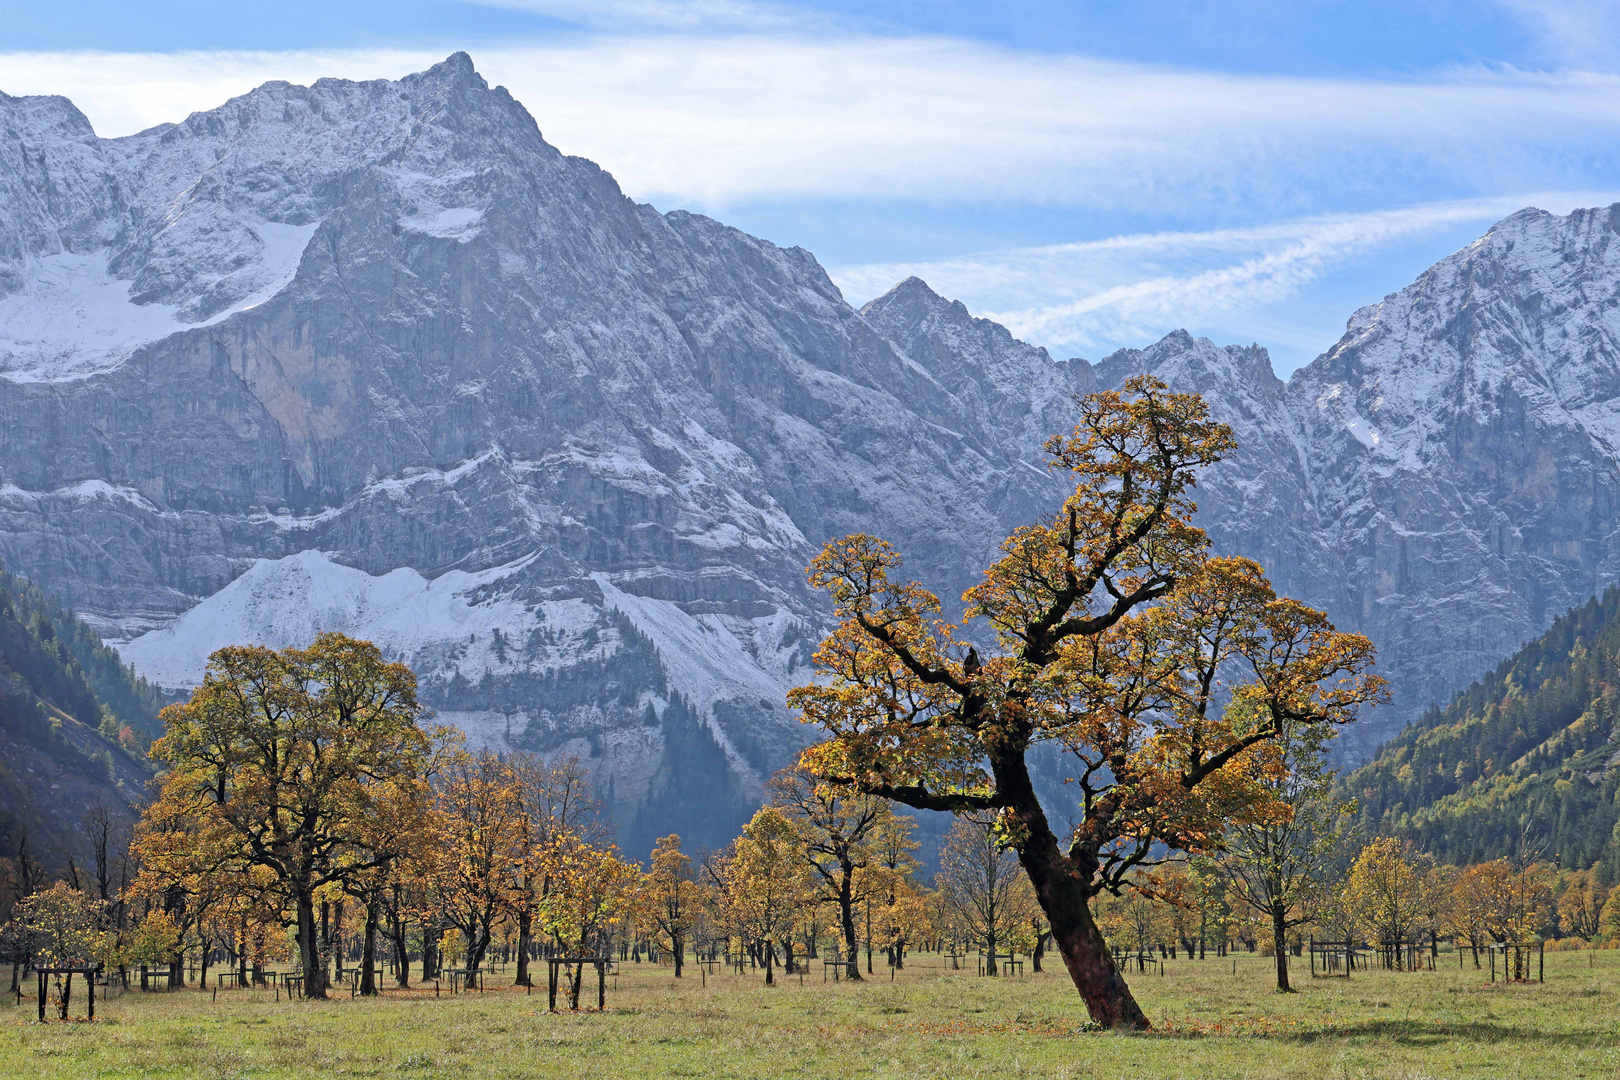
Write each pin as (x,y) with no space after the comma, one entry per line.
(376,357)
(1446,478)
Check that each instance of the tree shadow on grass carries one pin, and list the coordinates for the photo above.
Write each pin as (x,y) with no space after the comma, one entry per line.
(1421,1033)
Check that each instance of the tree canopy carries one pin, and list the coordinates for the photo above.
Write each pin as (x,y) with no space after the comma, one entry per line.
(307,763)
(1112,634)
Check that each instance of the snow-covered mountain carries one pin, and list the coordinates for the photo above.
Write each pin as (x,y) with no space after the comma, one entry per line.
(1446,478)
(376,357)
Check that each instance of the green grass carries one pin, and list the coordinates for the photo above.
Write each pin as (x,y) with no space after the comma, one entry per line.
(928,1023)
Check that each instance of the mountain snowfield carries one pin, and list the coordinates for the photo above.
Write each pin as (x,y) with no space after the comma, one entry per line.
(375,357)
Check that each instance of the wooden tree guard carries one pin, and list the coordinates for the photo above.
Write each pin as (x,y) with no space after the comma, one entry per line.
(601,962)
(1336,959)
(1516,960)
(89,972)
(1405,955)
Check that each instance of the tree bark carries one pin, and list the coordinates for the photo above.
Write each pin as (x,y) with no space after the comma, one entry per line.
(1279,941)
(476,948)
(869,934)
(525,940)
(677,951)
(1063,890)
(309,948)
(368,951)
(846,913)
(339,945)
(402,953)
(326,942)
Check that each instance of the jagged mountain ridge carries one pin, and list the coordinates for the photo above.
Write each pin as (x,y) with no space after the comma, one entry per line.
(376,357)
(1446,478)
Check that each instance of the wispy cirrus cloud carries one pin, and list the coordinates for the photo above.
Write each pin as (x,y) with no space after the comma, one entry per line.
(719,104)
(1091,297)
(622,16)
(1575,33)
(716,119)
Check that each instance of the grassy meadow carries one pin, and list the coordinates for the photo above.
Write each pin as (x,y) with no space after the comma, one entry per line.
(929,1022)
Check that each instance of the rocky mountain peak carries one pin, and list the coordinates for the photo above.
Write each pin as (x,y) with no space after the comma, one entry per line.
(1180,357)
(46,115)
(454,70)
(373,357)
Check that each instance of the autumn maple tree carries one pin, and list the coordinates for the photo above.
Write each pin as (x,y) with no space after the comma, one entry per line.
(672,898)
(478,849)
(839,829)
(556,805)
(985,891)
(308,765)
(1282,869)
(1393,890)
(1110,633)
(762,882)
(592,891)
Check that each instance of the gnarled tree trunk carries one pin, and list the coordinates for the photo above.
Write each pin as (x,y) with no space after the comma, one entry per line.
(846,914)
(368,951)
(525,943)
(1063,890)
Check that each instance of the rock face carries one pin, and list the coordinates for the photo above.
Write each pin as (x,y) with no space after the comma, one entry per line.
(1446,478)
(375,357)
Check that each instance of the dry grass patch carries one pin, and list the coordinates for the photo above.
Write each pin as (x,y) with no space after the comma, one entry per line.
(929,1022)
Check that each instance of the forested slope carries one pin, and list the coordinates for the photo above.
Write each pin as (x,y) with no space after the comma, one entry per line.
(1525,761)
(74,723)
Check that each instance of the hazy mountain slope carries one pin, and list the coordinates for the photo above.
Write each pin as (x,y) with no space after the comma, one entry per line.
(59,749)
(375,356)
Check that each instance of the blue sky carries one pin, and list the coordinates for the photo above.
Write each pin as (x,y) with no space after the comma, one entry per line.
(1094,175)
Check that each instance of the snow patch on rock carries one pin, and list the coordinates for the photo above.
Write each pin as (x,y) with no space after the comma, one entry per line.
(73,319)
(453,624)
(459,223)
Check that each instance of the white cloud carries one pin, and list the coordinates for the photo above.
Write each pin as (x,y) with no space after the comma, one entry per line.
(123,93)
(1582,33)
(1096,295)
(682,15)
(715,103)
(716,119)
